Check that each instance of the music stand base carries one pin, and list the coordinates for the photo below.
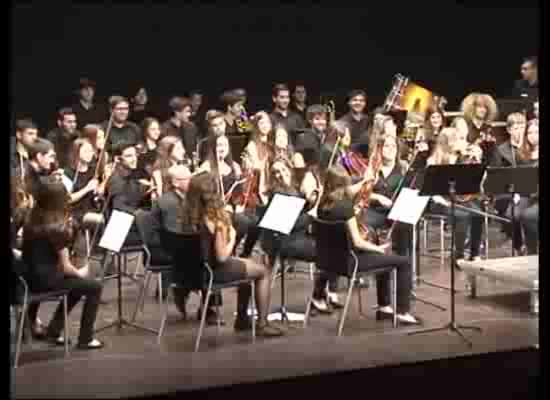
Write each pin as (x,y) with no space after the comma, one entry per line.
(453,327)
(414,297)
(122,322)
(437,285)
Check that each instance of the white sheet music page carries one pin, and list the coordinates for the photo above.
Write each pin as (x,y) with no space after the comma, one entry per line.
(408,206)
(282,213)
(116,231)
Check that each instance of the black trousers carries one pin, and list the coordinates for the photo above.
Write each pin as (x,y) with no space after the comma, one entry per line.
(464,220)
(377,218)
(369,261)
(526,222)
(91,290)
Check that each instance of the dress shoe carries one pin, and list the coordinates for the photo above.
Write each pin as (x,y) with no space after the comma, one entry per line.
(334,301)
(321,306)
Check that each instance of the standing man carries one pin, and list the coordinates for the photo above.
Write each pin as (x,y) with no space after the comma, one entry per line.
(26,134)
(299,98)
(356,118)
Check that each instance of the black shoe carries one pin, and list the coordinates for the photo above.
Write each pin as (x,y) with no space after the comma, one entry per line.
(211,317)
(383,315)
(243,324)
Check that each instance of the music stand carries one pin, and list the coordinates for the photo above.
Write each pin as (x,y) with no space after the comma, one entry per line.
(113,238)
(280,216)
(452,180)
(519,180)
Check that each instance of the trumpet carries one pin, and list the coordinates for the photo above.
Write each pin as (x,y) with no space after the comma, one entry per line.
(242,121)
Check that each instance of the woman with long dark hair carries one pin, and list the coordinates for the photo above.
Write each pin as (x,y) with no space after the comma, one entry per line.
(47,236)
(209,216)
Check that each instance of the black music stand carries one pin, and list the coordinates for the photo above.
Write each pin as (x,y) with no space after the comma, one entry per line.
(291,206)
(112,241)
(507,180)
(452,180)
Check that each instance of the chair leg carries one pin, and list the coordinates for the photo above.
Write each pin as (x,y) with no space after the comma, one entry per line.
(394,295)
(20,333)
(203,318)
(346,306)
(66,325)
(163,320)
(359,300)
(311,272)
(486,238)
(425,233)
(253,301)
(308,311)
(141,297)
(442,241)
(160,287)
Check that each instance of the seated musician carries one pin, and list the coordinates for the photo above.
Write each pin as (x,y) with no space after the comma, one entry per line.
(42,163)
(480,110)
(46,240)
(337,205)
(507,155)
(209,216)
(220,162)
(26,133)
(126,192)
(298,244)
(337,143)
(80,172)
(390,179)
(170,151)
(96,136)
(148,145)
(171,213)
(215,126)
(527,208)
(453,148)
(282,148)
(313,137)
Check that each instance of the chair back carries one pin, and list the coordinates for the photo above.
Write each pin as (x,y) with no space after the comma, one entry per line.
(144,224)
(333,246)
(188,261)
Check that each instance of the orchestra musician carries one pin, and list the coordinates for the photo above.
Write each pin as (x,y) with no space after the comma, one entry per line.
(213,221)
(337,205)
(42,163)
(313,137)
(170,151)
(26,133)
(452,147)
(147,146)
(47,237)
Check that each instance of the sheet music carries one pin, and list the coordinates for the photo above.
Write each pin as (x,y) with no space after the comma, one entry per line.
(282,213)
(408,206)
(116,231)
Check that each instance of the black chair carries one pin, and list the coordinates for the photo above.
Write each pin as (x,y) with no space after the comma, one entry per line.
(336,256)
(191,271)
(29,298)
(156,260)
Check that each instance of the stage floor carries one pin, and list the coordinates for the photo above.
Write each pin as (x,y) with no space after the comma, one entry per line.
(133,364)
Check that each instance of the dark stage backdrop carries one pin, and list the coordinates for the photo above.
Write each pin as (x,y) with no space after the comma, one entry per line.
(450,49)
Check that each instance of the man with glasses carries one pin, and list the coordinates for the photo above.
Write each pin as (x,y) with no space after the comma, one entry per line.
(122,129)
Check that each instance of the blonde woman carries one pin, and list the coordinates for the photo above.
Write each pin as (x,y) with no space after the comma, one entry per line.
(479,111)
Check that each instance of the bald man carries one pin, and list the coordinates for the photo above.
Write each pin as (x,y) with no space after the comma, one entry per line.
(165,217)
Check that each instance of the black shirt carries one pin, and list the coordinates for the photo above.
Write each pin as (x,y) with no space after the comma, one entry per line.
(127,194)
(308,139)
(33,179)
(505,155)
(292,122)
(165,213)
(522,88)
(86,203)
(386,186)
(301,113)
(359,128)
(63,143)
(41,258)
(95,115)
(129,132)
(342,211)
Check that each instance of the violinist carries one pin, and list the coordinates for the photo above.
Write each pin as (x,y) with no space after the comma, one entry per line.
(388,182)
(282,148)
(337,145)
(46,239)
(480,110)
(453,148)
(337,205)
(433,124)
(170,151)
(220,162)
(147,146)
(259,152)
(311,188)
(102,159)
